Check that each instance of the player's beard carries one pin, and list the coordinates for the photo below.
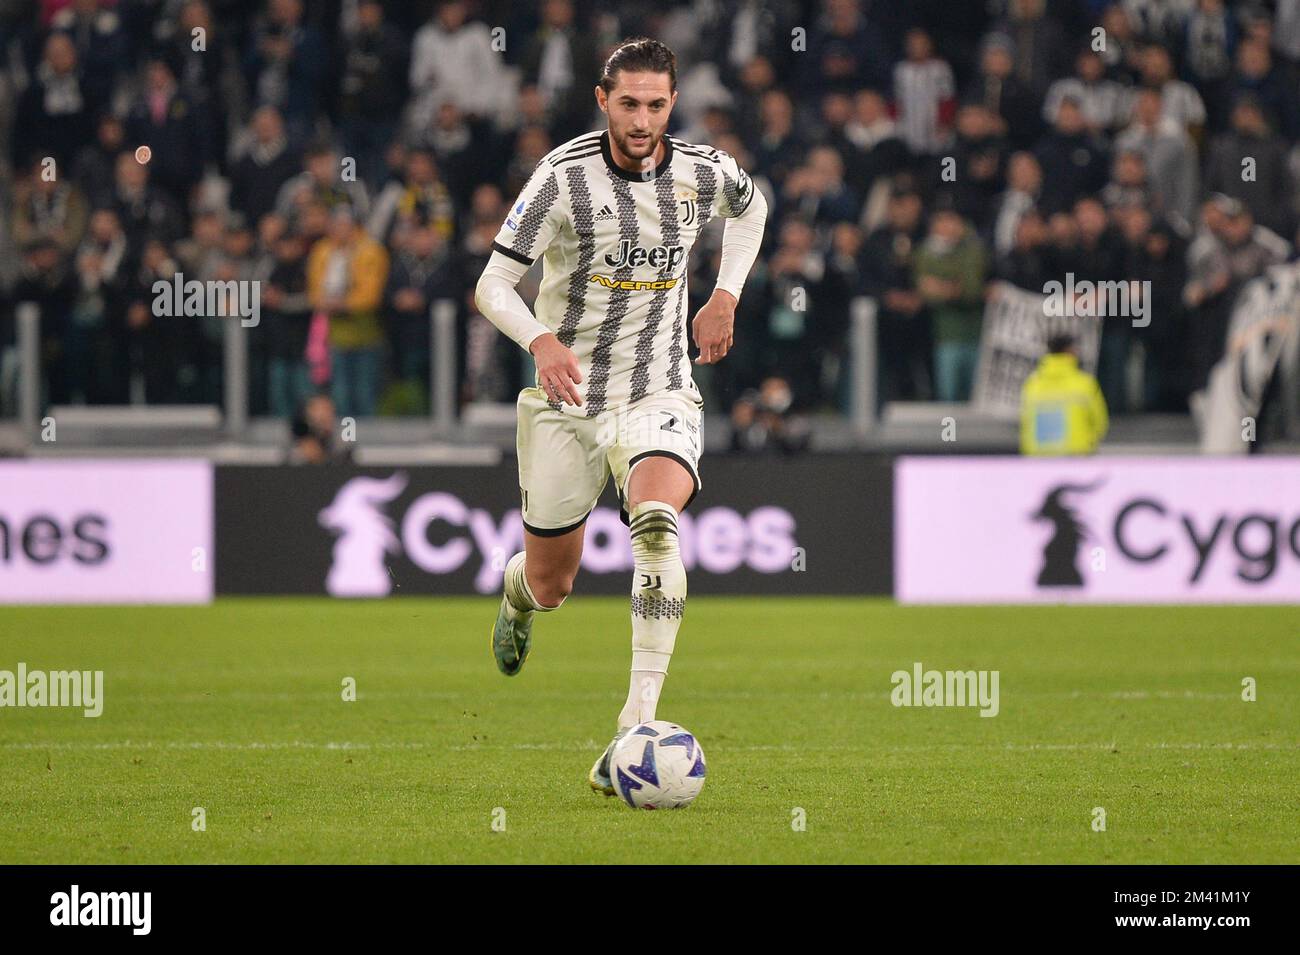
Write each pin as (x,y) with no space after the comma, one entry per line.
(638,150)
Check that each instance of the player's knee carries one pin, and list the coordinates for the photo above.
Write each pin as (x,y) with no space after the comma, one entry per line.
(552,590)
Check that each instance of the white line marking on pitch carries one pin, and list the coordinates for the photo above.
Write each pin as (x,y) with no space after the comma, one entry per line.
(593,744)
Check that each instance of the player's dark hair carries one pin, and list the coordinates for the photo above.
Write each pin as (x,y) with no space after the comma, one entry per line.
(639,55)
(1060,343)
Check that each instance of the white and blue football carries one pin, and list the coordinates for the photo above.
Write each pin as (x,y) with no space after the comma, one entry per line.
(657,765)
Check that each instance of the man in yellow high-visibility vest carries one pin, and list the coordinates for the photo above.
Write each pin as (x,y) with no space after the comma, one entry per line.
(1062,410)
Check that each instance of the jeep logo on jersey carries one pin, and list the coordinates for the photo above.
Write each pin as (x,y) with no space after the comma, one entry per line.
(662,257)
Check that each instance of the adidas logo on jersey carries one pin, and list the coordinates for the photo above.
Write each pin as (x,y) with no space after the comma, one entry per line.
(605,213)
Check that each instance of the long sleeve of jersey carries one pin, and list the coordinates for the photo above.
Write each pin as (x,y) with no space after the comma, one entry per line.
(497,299)
(742,237)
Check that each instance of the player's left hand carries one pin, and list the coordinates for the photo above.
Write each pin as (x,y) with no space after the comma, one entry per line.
(712,327)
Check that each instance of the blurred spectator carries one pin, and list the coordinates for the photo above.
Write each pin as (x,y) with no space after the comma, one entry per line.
(285,64)
(96,365)
(1169,155)
(1211,38)
(845,50)
(1073,160)
(1286,32)
(1276,92)
(559,61)
(816,191)
(1250,163)
(1205,294)
(163,119)
(47,280)
(1122,52)
(450,139)
(1062,411)
(315,434)
(423,271)
(1038,43)
(1154,253)
(321,182)
(843,281)
(420,198)
(200,253)
(346,274)
(999,90)
(924,95)
(56,113)
(453,61)
(1179,101)
(1229,250)
(796,269)
(95,167)
(162,349)
(877,149)
(949,272)
(286,321)
(757,77)
(1250,248)
(760,422)
(145,211)
(372,88)
(778,148)
(1062,243)
(1159,21)
(1022,195)
(1128,186)
(1098,257)
(266,164)
(201,72)
(48,208)
(980,153)
(1025,264)
(904,334)
(1104,102)
(99,39)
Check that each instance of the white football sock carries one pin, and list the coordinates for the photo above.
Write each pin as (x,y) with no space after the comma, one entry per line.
(658,599)
(520,601)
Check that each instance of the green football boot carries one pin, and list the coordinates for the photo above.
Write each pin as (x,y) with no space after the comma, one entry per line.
(598,778)
(511,640)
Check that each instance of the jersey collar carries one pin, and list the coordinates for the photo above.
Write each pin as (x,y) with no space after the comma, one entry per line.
(622,173)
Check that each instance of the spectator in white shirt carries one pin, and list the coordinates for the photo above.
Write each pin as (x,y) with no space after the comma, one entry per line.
(1104,102)
(925,96)
(453,61)
(1181,102)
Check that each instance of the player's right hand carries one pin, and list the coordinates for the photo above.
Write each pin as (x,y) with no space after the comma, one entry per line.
(557,369)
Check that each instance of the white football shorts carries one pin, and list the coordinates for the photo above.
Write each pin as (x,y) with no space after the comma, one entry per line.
(565,460)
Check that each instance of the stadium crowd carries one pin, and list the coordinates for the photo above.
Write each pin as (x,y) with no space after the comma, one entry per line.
(357,159)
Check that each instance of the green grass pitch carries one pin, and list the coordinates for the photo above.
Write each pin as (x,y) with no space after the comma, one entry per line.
(237,708)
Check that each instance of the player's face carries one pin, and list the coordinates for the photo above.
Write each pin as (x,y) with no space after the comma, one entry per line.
(638,109)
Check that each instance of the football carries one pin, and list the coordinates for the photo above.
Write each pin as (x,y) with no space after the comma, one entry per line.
(657,765)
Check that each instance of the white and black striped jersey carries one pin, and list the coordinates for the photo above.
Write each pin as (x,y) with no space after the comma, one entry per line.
(614,247)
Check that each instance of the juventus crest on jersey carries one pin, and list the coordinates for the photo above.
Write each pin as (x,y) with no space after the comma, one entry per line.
(614,246)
